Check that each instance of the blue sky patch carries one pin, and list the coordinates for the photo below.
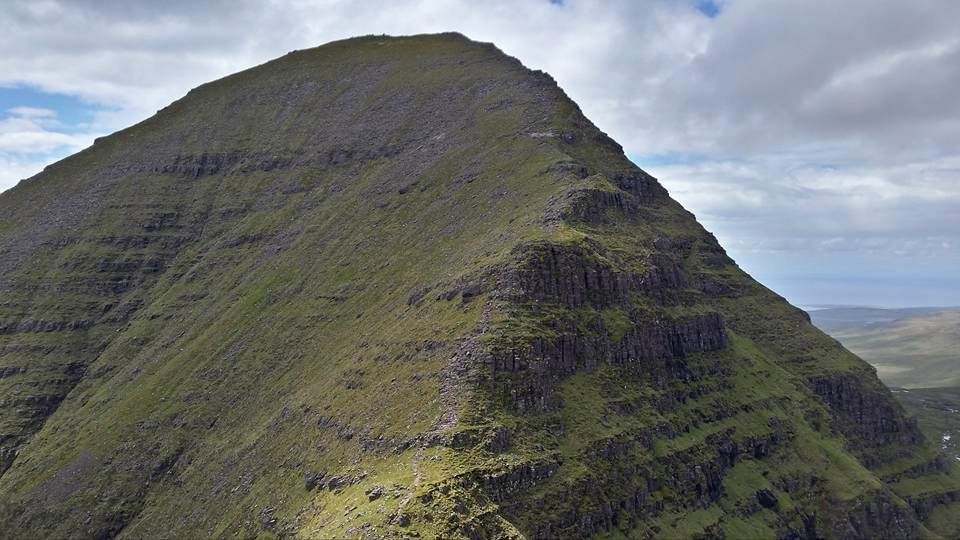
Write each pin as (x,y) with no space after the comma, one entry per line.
(708,8)
(665,160)
(73,114)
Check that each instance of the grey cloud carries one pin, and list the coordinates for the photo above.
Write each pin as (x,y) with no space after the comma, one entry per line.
(778,73)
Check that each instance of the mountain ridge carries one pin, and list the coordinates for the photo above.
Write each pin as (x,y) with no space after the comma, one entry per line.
(401,286)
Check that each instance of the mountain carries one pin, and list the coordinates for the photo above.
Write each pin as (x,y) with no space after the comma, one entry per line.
(401,287)
(911,348)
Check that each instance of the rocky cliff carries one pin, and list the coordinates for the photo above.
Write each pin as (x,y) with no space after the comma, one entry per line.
(400,287)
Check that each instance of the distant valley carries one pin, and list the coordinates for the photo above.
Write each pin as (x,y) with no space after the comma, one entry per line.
(916,352)
(911,347)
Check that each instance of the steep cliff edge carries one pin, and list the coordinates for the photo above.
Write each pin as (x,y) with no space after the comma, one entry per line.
(401,286)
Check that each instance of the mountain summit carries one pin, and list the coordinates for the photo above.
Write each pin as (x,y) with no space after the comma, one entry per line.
(395,287)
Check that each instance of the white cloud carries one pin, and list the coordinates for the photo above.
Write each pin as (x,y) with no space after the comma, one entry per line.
(910,209)
(33,113)
(30,138)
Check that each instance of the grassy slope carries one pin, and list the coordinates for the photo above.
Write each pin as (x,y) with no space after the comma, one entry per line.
(282,335)
(773,352)
(289,307)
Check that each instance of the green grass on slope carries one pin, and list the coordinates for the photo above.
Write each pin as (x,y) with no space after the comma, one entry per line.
(282,339)
(321,330)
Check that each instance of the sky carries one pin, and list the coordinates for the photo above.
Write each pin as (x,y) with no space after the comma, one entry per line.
(819,140)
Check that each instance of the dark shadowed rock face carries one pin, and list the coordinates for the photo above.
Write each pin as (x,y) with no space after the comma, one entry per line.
(396,287)
(869,417)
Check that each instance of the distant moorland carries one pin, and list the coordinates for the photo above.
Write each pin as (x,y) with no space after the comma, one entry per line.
(911,348)
(916,352)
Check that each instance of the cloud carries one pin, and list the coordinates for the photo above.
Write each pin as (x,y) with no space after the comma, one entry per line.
(816,126)
(31,138)
(778,73)
(824,208)
(32,113)
(29,130)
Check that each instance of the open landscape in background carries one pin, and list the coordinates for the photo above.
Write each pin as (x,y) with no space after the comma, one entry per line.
(917,354)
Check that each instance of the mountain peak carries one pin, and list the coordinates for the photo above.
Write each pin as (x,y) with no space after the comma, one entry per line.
(399,287)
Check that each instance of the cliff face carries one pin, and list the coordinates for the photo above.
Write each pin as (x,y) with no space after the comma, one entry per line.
(400,287)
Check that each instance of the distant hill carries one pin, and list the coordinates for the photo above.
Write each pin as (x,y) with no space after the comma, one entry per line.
(911,348)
